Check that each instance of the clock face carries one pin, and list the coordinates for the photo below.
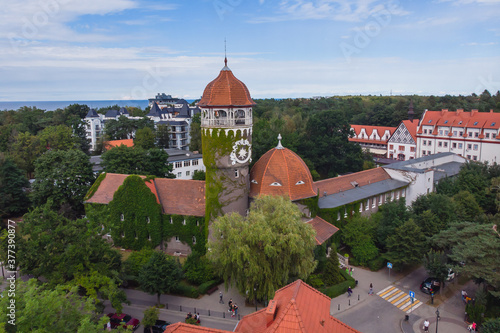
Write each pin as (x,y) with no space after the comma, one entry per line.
(242,152)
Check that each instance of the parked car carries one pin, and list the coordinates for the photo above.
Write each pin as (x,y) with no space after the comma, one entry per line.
(123,320)
(430,285)
(159,327)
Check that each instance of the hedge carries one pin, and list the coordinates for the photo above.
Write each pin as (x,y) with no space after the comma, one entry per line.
(340,288)
(204,287)
(186,290)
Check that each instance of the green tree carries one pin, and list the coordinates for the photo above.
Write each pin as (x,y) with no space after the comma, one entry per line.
(58,249)
(150,317)
(357,234)
(332,275)
(442,206)
(195,133)
(467,207)
(162,136)
(40,309)
(144,138)
(58,138)
(476,245)
(133,265)
(326,144)
(406,246)
(264,250)
(435,265)
(160,275)
(13,198)
(25,149)
(137,161)
(63,177)
(199,175)
(389,217)
(491,326)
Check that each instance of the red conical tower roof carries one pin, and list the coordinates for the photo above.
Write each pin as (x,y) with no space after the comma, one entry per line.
(226,90)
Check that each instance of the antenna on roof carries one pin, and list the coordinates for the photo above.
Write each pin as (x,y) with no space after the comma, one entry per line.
(225,51)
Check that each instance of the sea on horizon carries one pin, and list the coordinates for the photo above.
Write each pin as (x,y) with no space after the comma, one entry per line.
(54,105)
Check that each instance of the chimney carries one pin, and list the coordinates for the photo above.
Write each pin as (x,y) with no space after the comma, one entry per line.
(491,110)
(443,111)
(459,111)
(270,312)
(473,111)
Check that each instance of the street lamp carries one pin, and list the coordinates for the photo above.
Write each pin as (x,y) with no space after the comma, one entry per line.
(437,320)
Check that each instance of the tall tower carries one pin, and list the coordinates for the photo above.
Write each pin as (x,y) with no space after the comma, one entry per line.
(226,129)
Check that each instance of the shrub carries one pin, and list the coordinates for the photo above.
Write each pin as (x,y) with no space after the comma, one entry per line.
(204,287)
(332,274)
(340,288)
(474,312)
(186,290)
(376,264)
(198,269)
(315,281)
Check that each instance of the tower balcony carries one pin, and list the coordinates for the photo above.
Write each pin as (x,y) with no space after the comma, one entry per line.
(226,118)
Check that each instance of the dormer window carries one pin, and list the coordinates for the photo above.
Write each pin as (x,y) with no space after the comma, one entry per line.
(475,123)
(446,121)
(430,121)
(276,184)
(493,124)
(253,181)
(300,182)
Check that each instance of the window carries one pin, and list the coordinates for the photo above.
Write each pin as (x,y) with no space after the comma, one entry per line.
(445,144)
(380,200)
(401,148)
(374,202)
(177,239)
(236,173)
(397,195)
(423,152)
(149,237)
(475,123)
(123,234)
(195,162)
(474,158)
(430,121)
(148,220)
(187,163)
(424,142)
(412,149)
(460,146)
(469,146)
(493,124)
(184,222)
(460,122)
(367,204)
(470,134)
(440,144)
(178,164)
(391,146)
(194,239)
(188,173)
(454,145)
(461,133)
(171,220)
(468,156)
(197,223)
(446,121)
(487,135)
(428,152)
(429,143)
(179,174)
(454,133)
(493,136)
(475,147)
(446,132)
(361,207)
(476,135)
(440,132)
(338,216)
(425,131)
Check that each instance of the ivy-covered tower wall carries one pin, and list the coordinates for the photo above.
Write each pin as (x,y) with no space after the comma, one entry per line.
(226,126)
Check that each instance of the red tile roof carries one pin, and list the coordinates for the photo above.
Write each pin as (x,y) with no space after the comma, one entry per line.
(324,230)
(412,128)
(347,182)
(187,328)
(459,118)
(296,307)
(281,172)
(116,143)
(181,196)
(226,90)
(176,196)
(369,130)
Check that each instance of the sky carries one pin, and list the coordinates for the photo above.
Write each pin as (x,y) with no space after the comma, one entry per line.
(63,50)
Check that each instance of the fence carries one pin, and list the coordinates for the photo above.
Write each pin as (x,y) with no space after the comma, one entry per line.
(202,312)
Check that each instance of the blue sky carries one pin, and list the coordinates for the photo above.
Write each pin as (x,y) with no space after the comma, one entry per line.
(133,49)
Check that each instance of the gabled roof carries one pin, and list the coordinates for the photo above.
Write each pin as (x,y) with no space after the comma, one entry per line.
(281,172)
(154,111)
(296,307)
(176,196)
(123,111)
(411,127)
(117,143)
(459,118)
(181,196)
(112,113)
(324,230)
(369,130)
(350,181)
(226,90)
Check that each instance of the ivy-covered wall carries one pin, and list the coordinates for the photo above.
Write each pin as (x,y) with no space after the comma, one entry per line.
(135,215)
(185,227)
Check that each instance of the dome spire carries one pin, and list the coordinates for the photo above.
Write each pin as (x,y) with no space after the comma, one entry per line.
(279,146)
(225,57)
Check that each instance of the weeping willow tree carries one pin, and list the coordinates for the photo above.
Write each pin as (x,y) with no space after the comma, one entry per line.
(264,251)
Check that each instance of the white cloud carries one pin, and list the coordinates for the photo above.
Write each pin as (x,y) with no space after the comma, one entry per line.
(338,10)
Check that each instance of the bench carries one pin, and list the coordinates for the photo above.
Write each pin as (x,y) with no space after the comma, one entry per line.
(212,290)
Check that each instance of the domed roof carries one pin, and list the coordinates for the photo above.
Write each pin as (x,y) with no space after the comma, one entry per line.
(226,90)
(281,172)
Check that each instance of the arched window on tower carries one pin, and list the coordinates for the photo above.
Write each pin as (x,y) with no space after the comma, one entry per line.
(220,117)
(239,117)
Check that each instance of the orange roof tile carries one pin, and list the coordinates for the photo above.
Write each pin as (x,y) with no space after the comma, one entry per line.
(181,196)
(106,190)
(116,143)
(226,90)
(369,130)
(281,172)
(459,118)
(296,307)
(343,183)
(187,328)
(411,126)
(324,230)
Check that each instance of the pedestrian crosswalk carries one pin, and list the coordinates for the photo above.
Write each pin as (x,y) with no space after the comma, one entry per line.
(399,298)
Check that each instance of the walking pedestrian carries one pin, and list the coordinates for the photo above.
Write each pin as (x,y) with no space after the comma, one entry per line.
(230,303)
(349,291)
(197,317)
(351,270)
(426,326)
(371,289)
(235,307)
(220,298)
